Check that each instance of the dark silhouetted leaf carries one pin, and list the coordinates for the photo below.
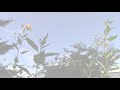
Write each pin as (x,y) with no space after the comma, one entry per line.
(19,35)
(24,69)
(16,47)
(16,60)
(14,66)
(45,46)
(51,54)
(32,44)
(3,23)
(4,47)
(25,35)
(24,52)
(44,40)
(19,41)
(39,58)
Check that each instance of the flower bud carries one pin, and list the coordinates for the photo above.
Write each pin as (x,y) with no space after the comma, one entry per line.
(28,27)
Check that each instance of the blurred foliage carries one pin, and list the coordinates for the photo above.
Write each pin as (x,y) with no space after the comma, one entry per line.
(3,23)
(79,61)
(4,47)
(88,62)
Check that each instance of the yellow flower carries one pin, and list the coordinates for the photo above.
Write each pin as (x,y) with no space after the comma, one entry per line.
(28,27)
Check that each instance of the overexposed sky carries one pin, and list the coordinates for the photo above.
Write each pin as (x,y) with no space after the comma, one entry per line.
(63,28)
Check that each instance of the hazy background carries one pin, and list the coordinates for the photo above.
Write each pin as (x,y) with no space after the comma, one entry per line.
(64,29)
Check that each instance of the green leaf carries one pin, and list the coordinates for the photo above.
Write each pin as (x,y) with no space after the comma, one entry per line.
(118,50)
(32,44)
(19,34)
(16,47)
(99,63)
(19,41)
(24,69)
(25,35)
(39,58)
(14,66)
(107,29)
(16,60)
(108,55)
(51,54)
(115,58)
(24,52)
(45,46)
(87,65)
(44,40)
(13,73)
(115,68)
(112,38)
(20,71)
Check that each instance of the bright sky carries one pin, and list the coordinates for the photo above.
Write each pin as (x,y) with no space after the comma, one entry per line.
(64,28)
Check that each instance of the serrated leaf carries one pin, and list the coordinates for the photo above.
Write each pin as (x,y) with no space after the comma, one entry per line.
(39,58)
(32,44)
(112,38)
(24,52)
(44,40)
(51,54)
(24,69)
(16,60)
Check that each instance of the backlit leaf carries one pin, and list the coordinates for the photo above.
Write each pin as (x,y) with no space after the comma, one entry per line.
(107,29)
(112,38)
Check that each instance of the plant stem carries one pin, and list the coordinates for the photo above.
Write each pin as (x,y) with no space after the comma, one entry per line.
(21,42)
(36,71)
(106,61)
(18,50)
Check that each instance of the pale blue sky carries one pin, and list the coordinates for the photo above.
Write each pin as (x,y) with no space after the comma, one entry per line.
(64,28)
